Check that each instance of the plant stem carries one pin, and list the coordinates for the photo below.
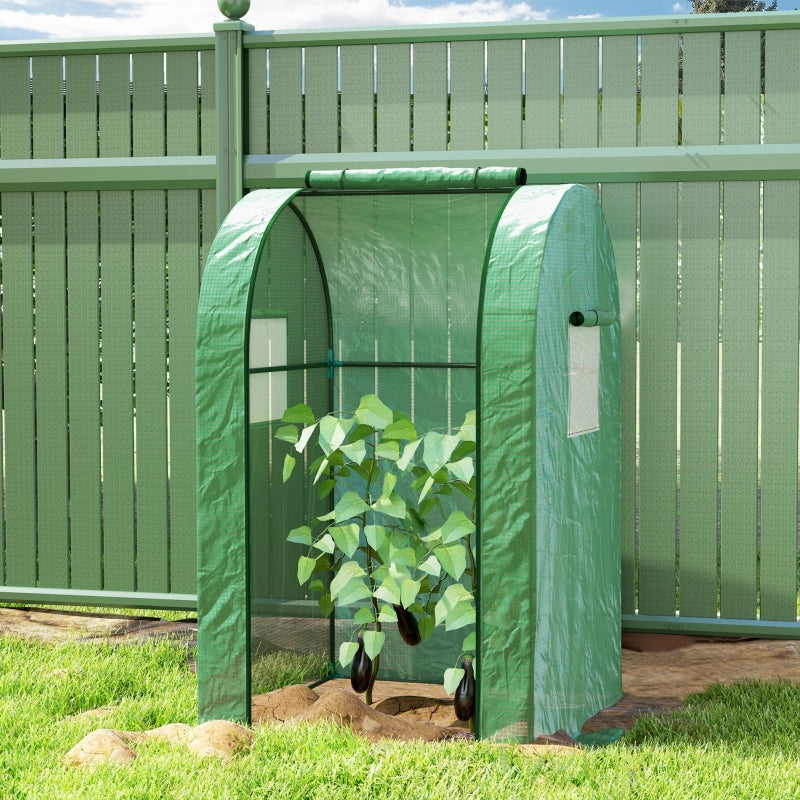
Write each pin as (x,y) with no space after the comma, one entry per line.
(370,572)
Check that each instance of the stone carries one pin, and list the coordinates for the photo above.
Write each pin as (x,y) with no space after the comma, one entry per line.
(100,747)
(219,737)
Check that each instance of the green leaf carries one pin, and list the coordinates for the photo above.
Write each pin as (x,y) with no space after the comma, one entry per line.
(438,449)
(305,568)
(426,487)
(300,413)
(325,544)
(348,584)
(389,482)
(346,538)
(452,677)
(347,652)
(316,585)
(461,615)
(402,429)
(470,643)
(305,436)
(426,626)
(409,451)
(456,526)
(325,488)
(431,566)
(463,470)
(387,614)
(364,616)
(376,536)
(455,608)
(325,605)
(323,465)
(360,432)
(287,433)
(469,428)
(388,450)
(393,506)
(301,535)
(373,642)
(389,591)
(333,431)
(288,466)
(453,557)
(350,505)
(408,592)
(371,411)
(356,451)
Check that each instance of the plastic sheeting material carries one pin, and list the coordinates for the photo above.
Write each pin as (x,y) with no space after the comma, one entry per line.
(417,277)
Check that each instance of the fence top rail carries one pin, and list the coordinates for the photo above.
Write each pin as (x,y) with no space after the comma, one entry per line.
(685,23)
(130,44)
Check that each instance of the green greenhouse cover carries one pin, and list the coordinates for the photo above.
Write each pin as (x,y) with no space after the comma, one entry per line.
(441,291)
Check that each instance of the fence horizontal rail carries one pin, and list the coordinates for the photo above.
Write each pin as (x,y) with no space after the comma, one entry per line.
(86,174)
(701,626)
(607,165)
(83,597)
(536,30)
(132,44)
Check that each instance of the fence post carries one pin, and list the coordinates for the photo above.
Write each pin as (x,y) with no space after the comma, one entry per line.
(230,105)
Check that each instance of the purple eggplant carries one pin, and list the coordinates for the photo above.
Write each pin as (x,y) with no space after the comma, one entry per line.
(464,700)
(407,625)
(361,670)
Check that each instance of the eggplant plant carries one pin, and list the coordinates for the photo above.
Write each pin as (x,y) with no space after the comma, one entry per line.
(394,543)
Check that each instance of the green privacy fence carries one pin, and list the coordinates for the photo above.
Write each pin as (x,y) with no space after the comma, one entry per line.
(687,128)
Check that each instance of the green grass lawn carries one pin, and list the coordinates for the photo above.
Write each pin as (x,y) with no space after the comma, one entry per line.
(738,742)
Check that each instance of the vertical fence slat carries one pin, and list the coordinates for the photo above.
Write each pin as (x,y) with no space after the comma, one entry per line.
(739,399)
(321,111)
(152,562)
(208,104)
(699,335)
(51,391)
(18,385)
(467,106)
(358,98)
(742,99)
(504,87)
(256,101)
(285,100)
(430,96)
(15,108)
(618,116)
(657,398)
(700,110)
(619,208)
(84,390)
(81,106)
(542,126)
(779,382)
(114,71)
(183,285)
(394,109)
(659,123)
(48,108)
(148,104)
(581,93)
(116,304)
(182,128)
(781,77)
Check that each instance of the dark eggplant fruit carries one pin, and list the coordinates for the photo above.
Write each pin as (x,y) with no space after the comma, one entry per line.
(464,700)
(361,671)
(407,625)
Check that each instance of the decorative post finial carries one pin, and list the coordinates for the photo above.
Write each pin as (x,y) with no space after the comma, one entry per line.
(234,9)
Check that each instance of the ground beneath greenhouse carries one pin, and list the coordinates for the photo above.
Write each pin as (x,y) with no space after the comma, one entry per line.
(658,672)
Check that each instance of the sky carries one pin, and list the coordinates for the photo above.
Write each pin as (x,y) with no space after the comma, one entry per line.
(90,19)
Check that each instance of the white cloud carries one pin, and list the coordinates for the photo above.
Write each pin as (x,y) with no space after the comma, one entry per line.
(677,7)
(154,17)
(585,16)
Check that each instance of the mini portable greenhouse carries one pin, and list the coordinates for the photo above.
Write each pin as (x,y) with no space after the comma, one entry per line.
(441,291)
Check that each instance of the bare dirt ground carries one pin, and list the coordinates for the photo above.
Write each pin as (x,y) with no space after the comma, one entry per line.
(658,672)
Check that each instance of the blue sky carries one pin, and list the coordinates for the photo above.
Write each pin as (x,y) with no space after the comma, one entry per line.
(65,19)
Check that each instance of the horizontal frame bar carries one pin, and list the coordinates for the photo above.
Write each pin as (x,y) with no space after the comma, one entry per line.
(713,626)
(132,44)
(84,597)
(564,165)
(87,174)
